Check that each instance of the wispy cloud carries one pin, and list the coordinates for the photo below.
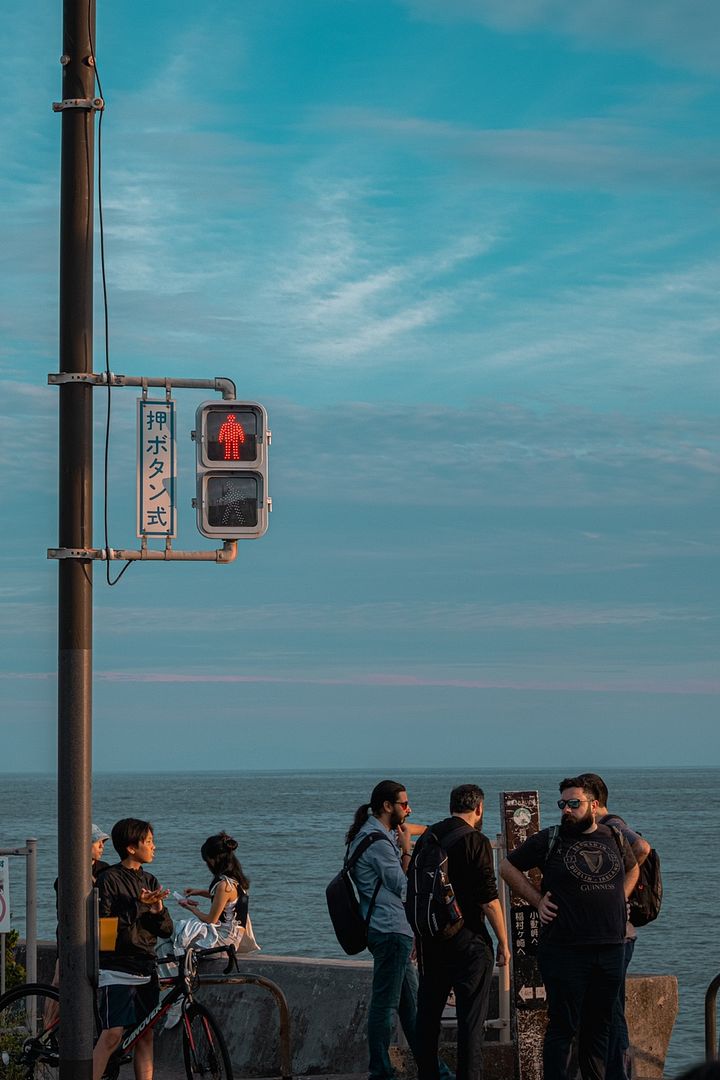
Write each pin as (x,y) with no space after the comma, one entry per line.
(410,617)
(594,153)
(683,34)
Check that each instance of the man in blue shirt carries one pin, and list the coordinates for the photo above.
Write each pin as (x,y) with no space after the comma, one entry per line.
(390,939)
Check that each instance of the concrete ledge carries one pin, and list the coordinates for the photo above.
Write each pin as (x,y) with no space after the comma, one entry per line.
(328,1002)
(651,1005)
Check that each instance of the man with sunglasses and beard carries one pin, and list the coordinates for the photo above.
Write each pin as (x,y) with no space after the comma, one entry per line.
(588,872)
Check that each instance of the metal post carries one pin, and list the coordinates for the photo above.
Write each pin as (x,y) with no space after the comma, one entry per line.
(711,1041)
(520,818)
(2,964)
(75,530)
(504,1012)
(31,911)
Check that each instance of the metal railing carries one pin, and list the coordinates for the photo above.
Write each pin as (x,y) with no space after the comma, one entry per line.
(711,1039)
(239,979)
(29,852)
(502,1024)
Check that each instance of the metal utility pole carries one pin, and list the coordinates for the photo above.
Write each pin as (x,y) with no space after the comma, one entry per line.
(75,531)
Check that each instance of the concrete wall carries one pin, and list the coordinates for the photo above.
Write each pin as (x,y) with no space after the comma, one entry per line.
(328,1006)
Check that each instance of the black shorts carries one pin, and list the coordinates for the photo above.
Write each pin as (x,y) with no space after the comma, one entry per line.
(126,1006)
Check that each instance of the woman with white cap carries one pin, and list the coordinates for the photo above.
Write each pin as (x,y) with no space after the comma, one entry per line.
(98,837)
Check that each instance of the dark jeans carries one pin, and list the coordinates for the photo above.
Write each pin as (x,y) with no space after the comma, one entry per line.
(582,983)
(394,993)
(464,963)
(619,1062)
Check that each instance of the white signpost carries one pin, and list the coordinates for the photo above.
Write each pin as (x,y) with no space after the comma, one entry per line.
(5,927)
(156,469)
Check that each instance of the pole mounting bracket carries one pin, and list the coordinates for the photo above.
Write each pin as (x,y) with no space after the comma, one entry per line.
(76,553)
(91,104)
(59,377)
(226,554)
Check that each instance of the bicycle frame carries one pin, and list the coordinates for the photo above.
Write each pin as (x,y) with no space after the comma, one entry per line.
(181,986)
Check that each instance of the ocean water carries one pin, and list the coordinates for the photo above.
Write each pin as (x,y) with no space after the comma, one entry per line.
(290,829)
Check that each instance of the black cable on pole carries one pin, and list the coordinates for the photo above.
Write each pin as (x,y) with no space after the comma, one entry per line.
(106,317)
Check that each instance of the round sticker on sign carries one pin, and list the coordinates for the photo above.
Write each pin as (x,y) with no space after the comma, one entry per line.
(522,817)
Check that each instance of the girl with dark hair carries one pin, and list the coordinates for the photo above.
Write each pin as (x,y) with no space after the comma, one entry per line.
(227,920)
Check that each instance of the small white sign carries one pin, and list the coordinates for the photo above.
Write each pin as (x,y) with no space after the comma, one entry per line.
(157,468)
(5,926)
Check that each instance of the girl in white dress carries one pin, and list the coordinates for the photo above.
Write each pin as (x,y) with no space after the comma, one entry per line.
(228,893)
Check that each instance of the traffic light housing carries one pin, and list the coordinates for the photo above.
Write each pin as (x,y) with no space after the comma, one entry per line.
(232,440)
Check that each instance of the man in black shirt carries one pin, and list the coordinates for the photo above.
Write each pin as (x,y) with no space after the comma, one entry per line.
(587,874)
(129,988)
(465,961)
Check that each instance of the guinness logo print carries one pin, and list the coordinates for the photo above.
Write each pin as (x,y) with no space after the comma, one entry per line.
(592,862)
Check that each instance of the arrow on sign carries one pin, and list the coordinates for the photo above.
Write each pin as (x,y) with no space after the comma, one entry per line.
(526,993)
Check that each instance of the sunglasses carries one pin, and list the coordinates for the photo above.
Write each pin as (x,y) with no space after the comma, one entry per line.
(403,804)
(572,803)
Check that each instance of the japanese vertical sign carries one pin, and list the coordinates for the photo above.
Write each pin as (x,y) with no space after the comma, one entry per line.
(157,506)
(5,926)
(520,817)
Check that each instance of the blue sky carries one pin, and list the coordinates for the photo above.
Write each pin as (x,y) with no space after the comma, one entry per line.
(467,254)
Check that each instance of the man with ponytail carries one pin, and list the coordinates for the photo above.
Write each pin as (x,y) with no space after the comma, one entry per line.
(381,872)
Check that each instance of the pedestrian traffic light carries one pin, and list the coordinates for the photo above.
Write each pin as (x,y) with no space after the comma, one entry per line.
(232,440)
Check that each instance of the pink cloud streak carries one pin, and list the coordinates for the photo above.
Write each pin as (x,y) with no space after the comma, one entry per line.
(398,680)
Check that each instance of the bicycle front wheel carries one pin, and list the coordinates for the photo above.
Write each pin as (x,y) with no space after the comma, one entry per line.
(29,1030)
(204,1048)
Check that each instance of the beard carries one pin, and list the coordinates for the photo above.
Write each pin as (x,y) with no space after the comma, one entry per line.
(571,826)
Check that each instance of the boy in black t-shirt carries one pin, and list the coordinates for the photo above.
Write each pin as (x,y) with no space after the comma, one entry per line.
(128,976)
(587,877)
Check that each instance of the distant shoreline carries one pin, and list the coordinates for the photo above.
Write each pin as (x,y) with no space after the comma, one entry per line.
(405,770)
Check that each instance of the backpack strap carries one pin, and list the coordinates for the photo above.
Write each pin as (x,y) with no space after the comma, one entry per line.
(350,861)
(607,818)
(553,835)
(449,839)
(619,840)
(362,847)
(461,829)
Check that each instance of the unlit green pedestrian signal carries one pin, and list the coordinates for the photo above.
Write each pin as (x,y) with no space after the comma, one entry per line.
(232,500)
(232,439)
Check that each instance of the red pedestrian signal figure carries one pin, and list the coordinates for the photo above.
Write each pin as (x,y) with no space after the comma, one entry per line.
(231,434)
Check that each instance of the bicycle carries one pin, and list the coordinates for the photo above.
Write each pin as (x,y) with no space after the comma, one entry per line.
(30,1025)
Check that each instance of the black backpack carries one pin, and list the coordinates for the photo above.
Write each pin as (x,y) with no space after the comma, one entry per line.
(350,927)
(646,898)
(430,905)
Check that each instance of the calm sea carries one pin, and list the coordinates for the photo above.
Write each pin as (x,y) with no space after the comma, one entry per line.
(290,828)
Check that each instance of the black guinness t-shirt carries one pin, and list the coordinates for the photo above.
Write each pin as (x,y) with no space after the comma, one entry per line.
(585,876)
